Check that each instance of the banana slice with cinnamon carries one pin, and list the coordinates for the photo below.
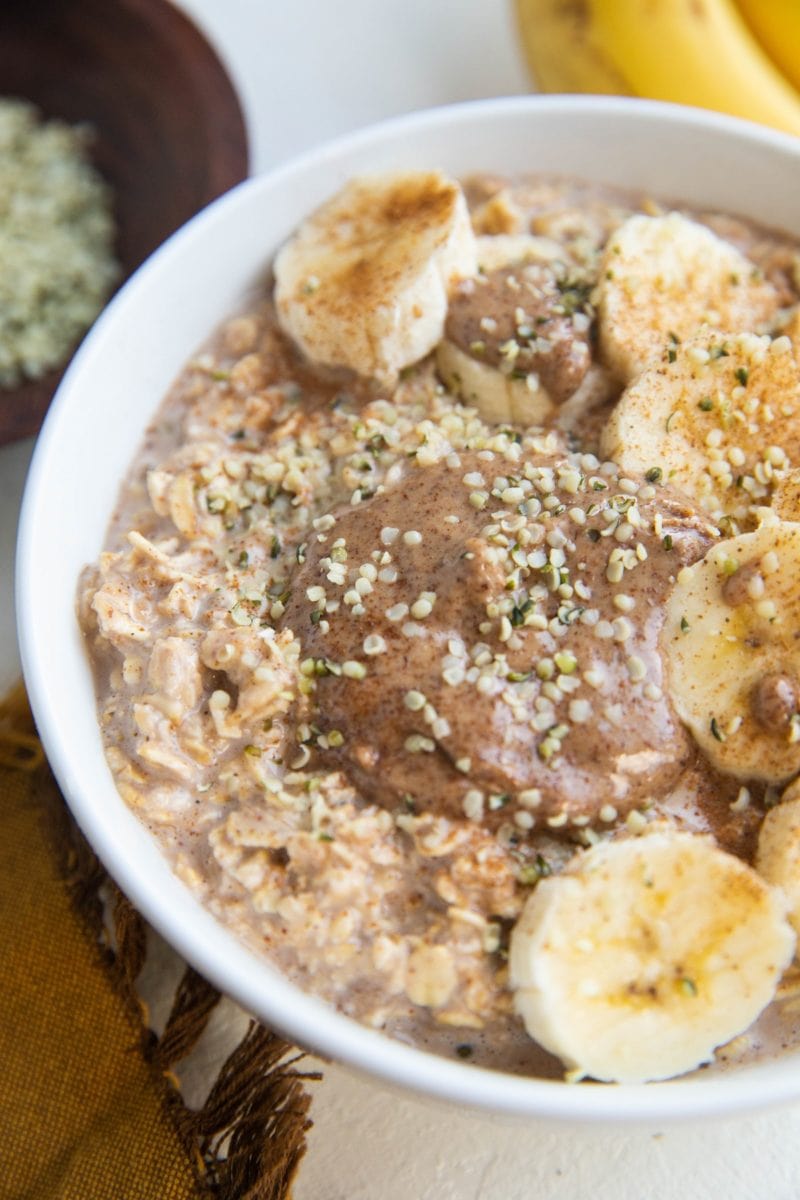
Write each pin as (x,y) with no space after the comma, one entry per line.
(364,282)
(717,417)
(663,277)
(778,856)
(731,640)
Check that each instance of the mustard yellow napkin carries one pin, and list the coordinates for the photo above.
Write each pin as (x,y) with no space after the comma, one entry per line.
(89,1103)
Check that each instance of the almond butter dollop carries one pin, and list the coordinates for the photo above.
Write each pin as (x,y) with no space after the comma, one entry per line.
(522,319)
(506,651)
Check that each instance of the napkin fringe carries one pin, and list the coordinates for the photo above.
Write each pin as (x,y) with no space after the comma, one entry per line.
(247,1139)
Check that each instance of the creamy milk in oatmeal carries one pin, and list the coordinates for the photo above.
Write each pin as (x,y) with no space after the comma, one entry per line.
(446,636)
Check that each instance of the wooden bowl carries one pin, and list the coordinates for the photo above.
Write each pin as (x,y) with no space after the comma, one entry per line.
(169,131)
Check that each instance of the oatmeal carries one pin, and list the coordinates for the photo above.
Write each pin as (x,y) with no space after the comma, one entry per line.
(401,651)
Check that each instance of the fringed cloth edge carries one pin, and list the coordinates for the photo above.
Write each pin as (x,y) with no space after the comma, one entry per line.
(247,1140)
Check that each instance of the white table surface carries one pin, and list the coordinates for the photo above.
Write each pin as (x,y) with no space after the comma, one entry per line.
(307,70)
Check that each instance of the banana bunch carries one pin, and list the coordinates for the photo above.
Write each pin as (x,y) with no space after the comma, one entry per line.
(735,56)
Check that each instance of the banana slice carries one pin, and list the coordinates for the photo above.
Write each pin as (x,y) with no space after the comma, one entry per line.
(364,282)
(730,640)
(646,954)
(778,856)
(786,497)
(669,275)
(792,331)
(516,342)
(714,415)
(499,397)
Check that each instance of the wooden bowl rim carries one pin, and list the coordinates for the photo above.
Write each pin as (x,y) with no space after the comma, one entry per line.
(23,409)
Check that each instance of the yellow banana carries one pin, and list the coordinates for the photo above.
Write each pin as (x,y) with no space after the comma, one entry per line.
(562,51)
(697,52)
(776,26)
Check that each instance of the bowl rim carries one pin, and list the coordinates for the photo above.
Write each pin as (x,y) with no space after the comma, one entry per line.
(214,950)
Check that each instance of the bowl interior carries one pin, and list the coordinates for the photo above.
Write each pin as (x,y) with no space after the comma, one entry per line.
(169,131)
(111,391)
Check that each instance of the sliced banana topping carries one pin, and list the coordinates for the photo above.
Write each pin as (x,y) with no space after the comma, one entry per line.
(786,496)
(732,650)
(714,416)
(790,326)
(499,396)
(364,282)
(669,275)
(516,340)
(778,856)
(646,954)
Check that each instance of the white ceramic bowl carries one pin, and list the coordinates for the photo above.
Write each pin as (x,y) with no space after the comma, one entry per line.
(111,391)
